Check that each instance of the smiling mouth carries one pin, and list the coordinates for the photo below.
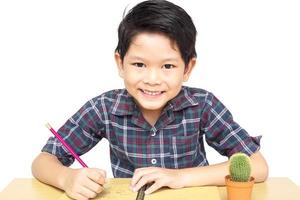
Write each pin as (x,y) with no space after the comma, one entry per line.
(152,93)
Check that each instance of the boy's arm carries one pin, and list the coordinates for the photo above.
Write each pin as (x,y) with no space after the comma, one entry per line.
(197,176)
(48,169)
(79,184)
(215,174)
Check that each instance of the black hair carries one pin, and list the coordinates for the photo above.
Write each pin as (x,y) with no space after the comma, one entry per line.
(159,16)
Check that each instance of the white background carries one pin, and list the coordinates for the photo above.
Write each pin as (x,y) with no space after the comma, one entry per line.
(56,55)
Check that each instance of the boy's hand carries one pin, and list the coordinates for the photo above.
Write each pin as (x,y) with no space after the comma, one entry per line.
(85,183)
(160,177)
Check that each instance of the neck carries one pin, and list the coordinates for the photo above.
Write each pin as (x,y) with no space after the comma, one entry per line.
(151,116)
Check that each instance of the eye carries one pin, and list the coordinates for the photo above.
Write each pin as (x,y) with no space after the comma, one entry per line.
(138,64)
(168,66)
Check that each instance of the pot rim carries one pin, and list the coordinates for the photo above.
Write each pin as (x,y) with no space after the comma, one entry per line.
(231,183)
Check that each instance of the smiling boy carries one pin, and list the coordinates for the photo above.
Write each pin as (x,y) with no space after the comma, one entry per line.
(155,126)
(153,72)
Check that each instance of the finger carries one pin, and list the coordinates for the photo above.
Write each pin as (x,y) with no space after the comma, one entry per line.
(97,176)
(155,186)
(77,196)
(95,187)
(139,173)
(148,178)
(101,171)
(87,192)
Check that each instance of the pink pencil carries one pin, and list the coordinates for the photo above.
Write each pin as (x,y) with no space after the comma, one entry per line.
(66,145)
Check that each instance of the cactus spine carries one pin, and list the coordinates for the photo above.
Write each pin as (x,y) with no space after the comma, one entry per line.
(240,167)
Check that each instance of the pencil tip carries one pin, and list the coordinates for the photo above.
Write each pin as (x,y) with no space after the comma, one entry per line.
(48,125)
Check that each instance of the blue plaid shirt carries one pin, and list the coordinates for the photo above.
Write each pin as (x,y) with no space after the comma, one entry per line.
(175,141)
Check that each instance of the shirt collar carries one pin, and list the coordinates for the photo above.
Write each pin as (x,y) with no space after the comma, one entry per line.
(125,104)
(183,100)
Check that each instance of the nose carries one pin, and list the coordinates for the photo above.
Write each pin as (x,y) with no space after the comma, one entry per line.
(152,76)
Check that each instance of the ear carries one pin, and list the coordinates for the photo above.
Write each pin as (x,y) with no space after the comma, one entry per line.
(119,63)
(188,69)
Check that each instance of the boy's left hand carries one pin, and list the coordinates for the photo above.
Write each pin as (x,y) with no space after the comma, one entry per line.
(160,177)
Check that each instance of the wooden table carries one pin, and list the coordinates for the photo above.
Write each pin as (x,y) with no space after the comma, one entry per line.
(31,189)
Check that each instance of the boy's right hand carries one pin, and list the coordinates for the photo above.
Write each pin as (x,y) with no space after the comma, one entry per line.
(85,183)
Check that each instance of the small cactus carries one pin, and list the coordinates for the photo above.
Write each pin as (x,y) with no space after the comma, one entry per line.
(240,167)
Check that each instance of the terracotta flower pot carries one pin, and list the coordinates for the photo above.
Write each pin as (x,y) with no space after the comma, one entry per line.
(239,190)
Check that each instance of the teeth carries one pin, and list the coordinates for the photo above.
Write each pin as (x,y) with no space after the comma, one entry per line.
(153,93)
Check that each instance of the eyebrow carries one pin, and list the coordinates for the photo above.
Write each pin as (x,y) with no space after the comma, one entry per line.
(141,58)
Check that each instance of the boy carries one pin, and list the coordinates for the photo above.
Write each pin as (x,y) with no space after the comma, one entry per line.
(155,126)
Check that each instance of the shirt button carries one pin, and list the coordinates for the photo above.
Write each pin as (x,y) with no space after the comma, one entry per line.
(153,161)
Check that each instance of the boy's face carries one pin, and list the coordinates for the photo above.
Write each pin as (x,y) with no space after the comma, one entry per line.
(153,70)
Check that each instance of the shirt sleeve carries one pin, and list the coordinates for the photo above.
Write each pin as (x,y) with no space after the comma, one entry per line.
(81,132)
(223,133)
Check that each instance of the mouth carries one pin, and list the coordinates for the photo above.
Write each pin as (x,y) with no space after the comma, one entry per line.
(151,92)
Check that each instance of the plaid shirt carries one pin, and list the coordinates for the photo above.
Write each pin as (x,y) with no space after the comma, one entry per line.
(175,141)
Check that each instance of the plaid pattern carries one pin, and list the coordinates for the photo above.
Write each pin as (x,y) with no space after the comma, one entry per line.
(176,140)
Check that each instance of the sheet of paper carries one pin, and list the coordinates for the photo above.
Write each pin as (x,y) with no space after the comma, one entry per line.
(118,189)
(191,193)
(114,189)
